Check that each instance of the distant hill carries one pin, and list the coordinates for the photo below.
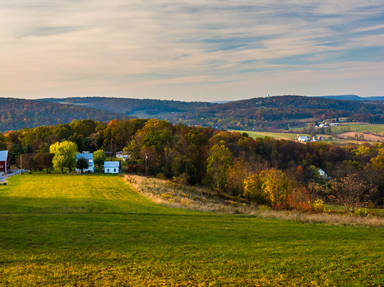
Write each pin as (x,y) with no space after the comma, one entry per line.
(353,98)
(282,111)
(143,108)
(257,113)
(269,113)
(19,113)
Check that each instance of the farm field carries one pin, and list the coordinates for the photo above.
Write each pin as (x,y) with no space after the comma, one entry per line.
(276,135)
(92,230)
(359,127)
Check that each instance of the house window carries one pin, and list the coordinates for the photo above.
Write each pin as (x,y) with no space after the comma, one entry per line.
(114,170)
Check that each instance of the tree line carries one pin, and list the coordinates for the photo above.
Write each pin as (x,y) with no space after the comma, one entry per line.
(279,173)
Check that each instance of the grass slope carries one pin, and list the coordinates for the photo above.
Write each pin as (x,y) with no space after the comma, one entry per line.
(96,231)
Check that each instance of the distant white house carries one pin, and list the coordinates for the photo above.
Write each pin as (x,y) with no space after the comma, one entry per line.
(323,174)
(303,139)
(121,155)
(89,157)
(111,167)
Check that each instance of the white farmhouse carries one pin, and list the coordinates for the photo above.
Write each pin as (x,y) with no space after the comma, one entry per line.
(111,167)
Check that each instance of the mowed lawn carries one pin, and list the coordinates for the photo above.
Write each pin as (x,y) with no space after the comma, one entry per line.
(62,230)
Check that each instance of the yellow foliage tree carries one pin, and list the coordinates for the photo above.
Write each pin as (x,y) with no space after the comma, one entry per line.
(253,189)
(276,187)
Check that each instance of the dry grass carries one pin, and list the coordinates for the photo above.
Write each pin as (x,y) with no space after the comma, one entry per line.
(181,196)
(364,136)
(202,199)
(332,219)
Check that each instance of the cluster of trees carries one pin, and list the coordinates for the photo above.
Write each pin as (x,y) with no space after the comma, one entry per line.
(283,174)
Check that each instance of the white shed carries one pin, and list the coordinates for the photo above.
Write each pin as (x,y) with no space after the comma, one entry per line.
(111,167)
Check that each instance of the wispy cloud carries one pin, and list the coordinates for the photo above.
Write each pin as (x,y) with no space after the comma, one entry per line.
(163,48)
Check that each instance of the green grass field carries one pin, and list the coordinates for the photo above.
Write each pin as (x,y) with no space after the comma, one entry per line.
(96,231)
(276,135)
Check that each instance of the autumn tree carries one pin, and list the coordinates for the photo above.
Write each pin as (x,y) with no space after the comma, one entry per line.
(218,161)
(276,187)
(253,189)
(352,191)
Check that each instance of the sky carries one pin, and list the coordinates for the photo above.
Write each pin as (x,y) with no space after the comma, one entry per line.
(204,50)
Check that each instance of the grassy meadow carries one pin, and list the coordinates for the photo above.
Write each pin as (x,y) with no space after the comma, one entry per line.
(275,135)
(92,230)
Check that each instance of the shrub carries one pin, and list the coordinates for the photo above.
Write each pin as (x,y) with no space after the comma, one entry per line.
(318,205)
(263,208)
(361,212)
(299,199)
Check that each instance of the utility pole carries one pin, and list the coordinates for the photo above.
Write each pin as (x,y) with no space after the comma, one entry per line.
(146,164)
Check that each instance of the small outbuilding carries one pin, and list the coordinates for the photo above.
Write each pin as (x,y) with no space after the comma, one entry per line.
(111,167)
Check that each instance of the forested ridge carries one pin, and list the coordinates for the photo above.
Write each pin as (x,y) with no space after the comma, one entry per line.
(270,113)
(230,163)
(258,113)
(19,113)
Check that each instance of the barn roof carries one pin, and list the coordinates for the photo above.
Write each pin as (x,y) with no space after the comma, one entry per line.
(3,155)
(111,164)
(86,155)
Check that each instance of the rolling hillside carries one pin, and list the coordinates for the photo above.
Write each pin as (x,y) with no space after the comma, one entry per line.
(19,113)
(144,108)
(283,111)
(253,114)
(257,113)
(60,230)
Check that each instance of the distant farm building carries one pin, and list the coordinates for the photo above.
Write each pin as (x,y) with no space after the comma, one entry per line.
(121,155)
(89,157)
(4,161)
(303,139)
(111,167)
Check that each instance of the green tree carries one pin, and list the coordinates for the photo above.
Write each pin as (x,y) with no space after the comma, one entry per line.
(82,164)
(218,161)
(99,158)
(64,155)
(43,160)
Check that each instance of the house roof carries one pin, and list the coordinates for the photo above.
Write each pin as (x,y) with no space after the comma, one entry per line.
(111,164)
(3,155)
(86,155)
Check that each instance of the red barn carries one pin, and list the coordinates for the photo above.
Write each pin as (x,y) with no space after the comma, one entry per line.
(4,161)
